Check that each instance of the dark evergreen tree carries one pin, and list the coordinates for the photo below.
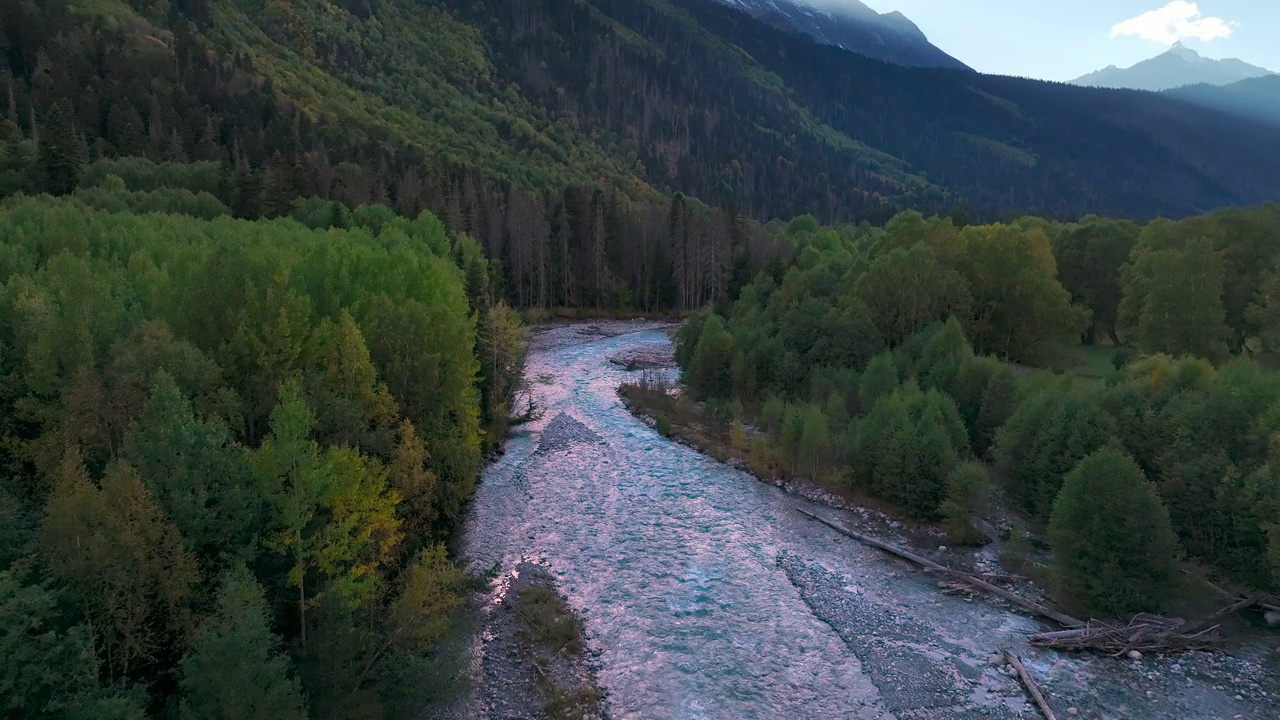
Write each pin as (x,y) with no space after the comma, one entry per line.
(1113,547)
(62,150)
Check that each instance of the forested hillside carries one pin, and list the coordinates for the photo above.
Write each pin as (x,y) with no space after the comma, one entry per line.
(233,451)
(890,361)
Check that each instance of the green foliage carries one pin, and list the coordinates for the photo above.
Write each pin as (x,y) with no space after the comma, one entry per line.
(968,497)
(235,668)
(1091,256)
(1262,495)
(710,371)
(1018,308)
(1174,298)
(905,448)
(879,379)
(185,396)
(1122,357)
(112,196)
(142,175)
(1114,549)
(814,447)
(501,347)
(196,472)
(687,337)
(906,289)
(944,355)
(62,150)
(47,668)
(1045,438)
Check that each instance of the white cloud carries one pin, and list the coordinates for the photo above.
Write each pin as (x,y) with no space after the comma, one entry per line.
(1179,20)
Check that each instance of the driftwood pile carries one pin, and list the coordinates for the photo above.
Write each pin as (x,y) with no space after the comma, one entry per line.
(1144,633)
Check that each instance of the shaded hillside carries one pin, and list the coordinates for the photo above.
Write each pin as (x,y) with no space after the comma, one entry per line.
(1257,98)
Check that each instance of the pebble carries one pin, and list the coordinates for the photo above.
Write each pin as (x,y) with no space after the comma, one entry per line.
(1272,618)
(1135,655)
(1073,711)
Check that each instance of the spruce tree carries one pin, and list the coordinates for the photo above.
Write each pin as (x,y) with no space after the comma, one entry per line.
(878,380)
(1114,551)
(62,151)
(709,374)
(235,669)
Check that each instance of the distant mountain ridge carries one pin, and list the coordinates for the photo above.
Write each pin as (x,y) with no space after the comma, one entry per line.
(1179,67)
(890,37)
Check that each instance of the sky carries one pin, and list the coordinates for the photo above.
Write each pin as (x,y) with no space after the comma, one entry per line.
(1064,39)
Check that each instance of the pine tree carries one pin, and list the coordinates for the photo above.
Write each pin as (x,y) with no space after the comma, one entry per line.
(47,669)
(815,443)
(1114,551)
(352,406)
(122,558)
(968,496)
(710,373)
(62,150)
(235,669)
(878,380)
(417,485)
(202,479)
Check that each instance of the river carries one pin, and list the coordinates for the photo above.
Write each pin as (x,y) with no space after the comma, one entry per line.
(707,595)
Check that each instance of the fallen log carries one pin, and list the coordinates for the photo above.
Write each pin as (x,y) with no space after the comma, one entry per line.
(1269,603)
(1030,684)
(1039,610)
(1231,609)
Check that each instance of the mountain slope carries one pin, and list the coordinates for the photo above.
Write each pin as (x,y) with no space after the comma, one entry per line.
(853,26)
(1178,67)
(1257,98)
(456,107)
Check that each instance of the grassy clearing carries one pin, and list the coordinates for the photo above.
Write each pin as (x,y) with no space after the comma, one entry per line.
(1092,362)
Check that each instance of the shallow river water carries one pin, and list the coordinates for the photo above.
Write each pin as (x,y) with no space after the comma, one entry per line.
(708,596)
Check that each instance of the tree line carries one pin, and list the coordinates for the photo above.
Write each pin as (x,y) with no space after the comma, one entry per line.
(233,451)
(922,362)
